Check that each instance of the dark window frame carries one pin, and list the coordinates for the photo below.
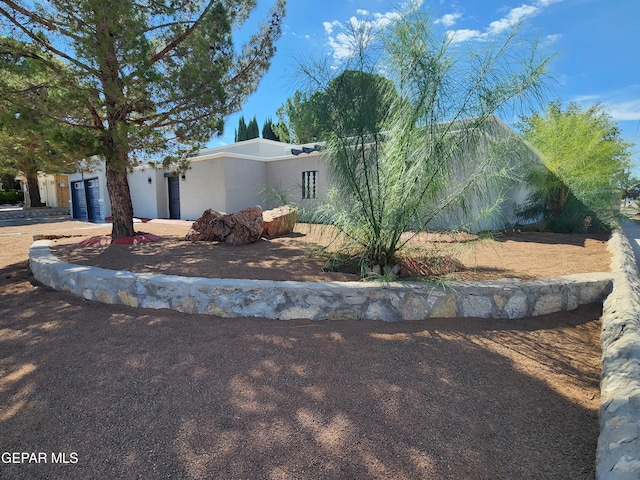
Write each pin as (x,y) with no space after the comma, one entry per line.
(310,184)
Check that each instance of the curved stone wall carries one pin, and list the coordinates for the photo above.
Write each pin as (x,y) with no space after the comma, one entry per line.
(618,453)
(318,301)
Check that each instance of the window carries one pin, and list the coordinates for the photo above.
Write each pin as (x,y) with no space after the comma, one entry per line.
(309,184)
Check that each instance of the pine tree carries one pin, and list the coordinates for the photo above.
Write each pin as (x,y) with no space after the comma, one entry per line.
(252,129)
(241,132)
(30,141)
(156,79)
(267,130)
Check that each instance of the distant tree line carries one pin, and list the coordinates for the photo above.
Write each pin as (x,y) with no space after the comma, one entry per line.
(270,131)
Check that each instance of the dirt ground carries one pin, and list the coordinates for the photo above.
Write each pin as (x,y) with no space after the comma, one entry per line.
(126,393)
(515,255)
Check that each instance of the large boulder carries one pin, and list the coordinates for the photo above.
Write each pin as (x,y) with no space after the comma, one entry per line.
(278,221)
(201,228)
(239,228)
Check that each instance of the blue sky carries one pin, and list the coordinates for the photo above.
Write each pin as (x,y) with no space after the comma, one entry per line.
(597,46)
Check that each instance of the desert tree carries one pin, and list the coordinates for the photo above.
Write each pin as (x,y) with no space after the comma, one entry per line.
(155,80)
(296,120)
(27,147)
(30,140)
(435,147)
(585,162)
(310,116)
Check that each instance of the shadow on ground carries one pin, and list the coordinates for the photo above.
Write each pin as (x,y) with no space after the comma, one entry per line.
(159,394)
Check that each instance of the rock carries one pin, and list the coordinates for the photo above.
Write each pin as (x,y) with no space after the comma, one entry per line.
(279,221)
(201,228)
(239,228)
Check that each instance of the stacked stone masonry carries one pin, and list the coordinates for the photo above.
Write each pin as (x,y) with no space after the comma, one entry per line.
(618,452)
(34,213)
(509,298)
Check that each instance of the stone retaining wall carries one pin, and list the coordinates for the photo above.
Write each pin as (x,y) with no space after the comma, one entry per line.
(319,301)
(11,214)
(618,453)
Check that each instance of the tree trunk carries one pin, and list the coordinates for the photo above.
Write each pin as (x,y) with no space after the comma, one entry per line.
(563,195)
(121,206)
(115,135)
(34,190)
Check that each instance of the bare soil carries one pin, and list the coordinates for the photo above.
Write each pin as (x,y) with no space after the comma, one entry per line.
(160,394)
(298,256)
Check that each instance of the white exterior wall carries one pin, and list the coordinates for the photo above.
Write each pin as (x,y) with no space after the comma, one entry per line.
(47,186)
(256,147)
(244,183)
(203,187)
(146,196)
(162,194)
(499,198)
(233,177)
(286,176)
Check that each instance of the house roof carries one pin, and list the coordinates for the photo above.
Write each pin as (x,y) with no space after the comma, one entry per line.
(257,149)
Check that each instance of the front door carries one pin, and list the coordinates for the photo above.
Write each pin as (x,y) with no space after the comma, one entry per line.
(174,197)
(92,187)
(79,200)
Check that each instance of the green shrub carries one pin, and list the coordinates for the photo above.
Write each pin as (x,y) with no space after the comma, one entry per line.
(11,197)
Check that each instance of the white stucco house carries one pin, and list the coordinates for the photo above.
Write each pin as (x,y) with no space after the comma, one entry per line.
(227,179)
(232,177)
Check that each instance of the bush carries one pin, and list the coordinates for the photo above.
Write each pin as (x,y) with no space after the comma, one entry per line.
(11,197)
(575,217)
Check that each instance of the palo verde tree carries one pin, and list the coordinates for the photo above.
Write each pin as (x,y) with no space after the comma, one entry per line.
(155,79)
(432,147)
(584,159)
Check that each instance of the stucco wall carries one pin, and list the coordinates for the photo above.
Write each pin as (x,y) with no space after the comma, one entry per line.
(286,176)
(244,183)
(203,187)
(144,194)
(257,147)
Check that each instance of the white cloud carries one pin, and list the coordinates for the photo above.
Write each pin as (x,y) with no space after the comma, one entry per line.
(344,38)
(586,98)
(514,16)
(463,35)
(626,110)
(328,27)
(553,38)
(622,105)
(449,19)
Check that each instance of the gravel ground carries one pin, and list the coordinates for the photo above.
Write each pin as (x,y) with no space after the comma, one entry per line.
(127,393)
